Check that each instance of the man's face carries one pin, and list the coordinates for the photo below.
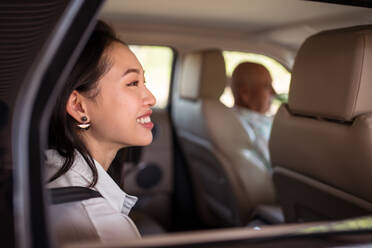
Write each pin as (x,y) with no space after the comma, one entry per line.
(258,95)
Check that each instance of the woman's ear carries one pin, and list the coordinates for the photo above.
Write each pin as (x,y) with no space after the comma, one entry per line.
(75,106)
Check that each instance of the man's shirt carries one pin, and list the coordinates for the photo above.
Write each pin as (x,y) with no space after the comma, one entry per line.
(258,127)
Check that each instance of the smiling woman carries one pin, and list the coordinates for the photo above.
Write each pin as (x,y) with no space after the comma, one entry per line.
(104,107)
(182,180)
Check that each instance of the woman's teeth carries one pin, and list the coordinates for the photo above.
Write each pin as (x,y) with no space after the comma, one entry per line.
(144,120)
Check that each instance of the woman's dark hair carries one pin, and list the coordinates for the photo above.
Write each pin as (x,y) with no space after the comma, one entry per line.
(92,64)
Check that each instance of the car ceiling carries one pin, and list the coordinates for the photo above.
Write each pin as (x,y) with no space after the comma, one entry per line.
(280,26)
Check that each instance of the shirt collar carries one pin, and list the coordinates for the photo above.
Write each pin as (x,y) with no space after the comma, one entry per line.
(112,192)
(116,197)
(253,115)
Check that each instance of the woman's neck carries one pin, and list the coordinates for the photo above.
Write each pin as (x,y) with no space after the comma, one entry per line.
(103,153)
(102,157)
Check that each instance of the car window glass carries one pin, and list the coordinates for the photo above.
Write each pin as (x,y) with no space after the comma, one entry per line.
(281,76)
(157,64)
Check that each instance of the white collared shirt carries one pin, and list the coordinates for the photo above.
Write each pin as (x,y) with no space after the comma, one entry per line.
(258,128)
(103,219)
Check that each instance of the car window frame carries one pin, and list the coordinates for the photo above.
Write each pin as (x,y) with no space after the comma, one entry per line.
(32,112)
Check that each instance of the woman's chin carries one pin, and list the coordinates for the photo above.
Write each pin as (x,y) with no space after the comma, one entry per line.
(138,139)
(145,141)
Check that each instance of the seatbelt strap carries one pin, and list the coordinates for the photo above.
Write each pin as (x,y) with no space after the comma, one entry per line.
(72,194)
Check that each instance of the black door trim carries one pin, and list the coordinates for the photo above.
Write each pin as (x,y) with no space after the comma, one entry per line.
(32,113)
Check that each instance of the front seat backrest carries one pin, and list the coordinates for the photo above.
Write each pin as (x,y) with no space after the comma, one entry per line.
(229,180)
(321,141)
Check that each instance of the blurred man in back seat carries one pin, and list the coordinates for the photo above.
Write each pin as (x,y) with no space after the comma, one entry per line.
(253,92)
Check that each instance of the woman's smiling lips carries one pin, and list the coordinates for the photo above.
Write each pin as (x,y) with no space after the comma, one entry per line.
(145,120)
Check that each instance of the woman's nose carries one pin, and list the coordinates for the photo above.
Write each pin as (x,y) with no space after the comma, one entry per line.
(149,98)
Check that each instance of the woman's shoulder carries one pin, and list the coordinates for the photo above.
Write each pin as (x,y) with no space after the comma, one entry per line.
(92,219)
(54,162)
(108,220)
(53,158)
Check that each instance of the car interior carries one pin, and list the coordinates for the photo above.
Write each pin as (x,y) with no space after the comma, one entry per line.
(226,188)
(197,176)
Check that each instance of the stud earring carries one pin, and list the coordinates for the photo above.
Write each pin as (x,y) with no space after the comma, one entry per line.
(84,125)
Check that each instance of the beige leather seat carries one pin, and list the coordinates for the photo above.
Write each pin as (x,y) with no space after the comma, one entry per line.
(228,182)
(321,142)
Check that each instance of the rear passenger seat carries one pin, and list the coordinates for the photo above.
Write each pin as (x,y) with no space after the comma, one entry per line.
(229,183)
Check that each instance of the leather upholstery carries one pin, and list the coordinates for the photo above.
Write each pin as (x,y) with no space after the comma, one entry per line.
(203,75)
(228,183)
(335,153)
(321,141)
(331,75)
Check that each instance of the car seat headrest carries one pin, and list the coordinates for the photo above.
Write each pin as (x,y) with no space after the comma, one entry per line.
(203,75)
(332,75)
